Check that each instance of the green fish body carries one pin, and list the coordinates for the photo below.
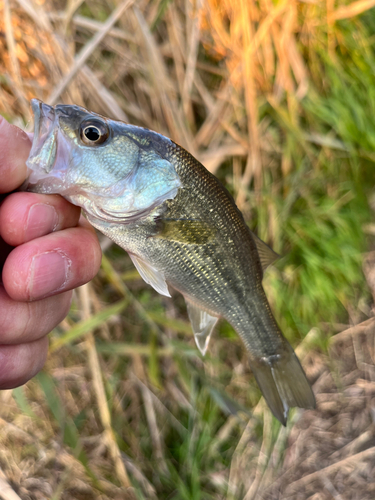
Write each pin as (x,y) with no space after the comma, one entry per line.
(179,225)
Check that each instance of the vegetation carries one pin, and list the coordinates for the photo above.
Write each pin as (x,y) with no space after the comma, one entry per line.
(278,100)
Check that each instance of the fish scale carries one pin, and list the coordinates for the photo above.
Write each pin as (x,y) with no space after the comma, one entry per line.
(181,228)
(243,274)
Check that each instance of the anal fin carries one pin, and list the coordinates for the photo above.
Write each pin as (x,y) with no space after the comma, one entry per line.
(151,275)
(202,323)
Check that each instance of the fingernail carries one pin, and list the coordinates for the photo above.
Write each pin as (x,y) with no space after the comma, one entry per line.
(49,273)
(42,219)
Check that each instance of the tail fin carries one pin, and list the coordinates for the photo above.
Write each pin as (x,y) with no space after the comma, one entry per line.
(283,382)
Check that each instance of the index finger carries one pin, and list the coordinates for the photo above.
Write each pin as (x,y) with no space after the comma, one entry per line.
(14,149)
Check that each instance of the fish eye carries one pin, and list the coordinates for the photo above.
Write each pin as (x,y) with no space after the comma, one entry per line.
(94,132)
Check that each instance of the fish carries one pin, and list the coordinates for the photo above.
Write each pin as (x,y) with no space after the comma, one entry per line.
(180,226)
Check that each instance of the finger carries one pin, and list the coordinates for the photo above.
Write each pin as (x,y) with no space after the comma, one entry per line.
(19,363)
(5,250)
(28,321)
(26,216)
(52,264)
(14,149)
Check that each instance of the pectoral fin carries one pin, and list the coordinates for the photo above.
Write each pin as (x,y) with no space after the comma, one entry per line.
(190,231)
(202,323)
(151,275)
(266,254)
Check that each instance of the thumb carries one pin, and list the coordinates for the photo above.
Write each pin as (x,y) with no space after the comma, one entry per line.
(15,146)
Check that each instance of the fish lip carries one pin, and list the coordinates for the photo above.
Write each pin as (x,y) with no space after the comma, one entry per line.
(42,114)
(35,108)
(43,149)
(41,109)
(43,153)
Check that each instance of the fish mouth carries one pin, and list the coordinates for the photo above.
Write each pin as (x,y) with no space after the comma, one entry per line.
(43,149)
(47,156)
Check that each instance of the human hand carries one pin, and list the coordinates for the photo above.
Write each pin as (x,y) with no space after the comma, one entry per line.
(47,250)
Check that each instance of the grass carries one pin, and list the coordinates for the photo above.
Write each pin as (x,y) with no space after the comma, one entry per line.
(277,99)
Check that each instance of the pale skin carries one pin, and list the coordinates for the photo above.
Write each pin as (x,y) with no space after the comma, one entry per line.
(54,251)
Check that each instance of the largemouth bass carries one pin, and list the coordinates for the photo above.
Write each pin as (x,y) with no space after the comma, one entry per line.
(180,227)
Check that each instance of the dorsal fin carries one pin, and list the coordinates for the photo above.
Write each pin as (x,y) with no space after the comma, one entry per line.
(151,275)
(266,254)
(202,323)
